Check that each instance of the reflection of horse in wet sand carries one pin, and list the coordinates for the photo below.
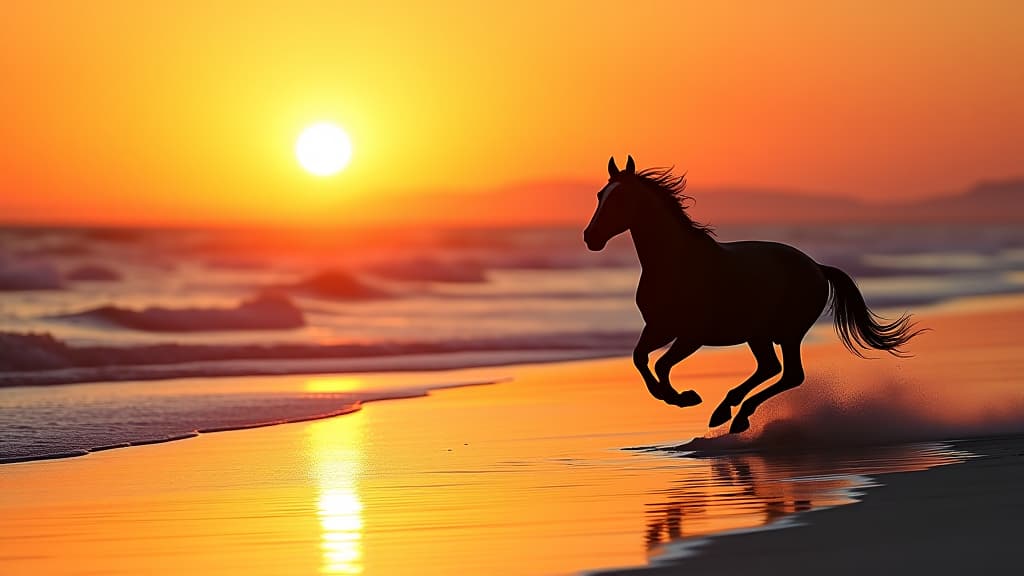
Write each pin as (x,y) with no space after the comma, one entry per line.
(747,491)
(697,292)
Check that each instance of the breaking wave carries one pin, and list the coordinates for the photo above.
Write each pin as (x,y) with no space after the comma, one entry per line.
(337,284)
(19,276)
(41,359)
(267,311)
(93,273)
(431,270)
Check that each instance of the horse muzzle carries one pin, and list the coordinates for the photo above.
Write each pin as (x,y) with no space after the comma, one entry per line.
(593,244)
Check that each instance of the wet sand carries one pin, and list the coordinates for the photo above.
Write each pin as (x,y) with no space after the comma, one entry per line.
(961,519)
(530,476)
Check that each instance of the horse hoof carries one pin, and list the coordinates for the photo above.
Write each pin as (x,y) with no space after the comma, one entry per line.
(720,416)
(686,399)
(739,425)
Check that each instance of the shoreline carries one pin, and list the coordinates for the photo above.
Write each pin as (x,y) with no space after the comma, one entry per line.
(347,409)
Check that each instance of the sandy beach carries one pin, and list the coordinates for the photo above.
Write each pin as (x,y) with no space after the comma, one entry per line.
(569,467)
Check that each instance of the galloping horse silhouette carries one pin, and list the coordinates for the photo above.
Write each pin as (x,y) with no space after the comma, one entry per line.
(696,292)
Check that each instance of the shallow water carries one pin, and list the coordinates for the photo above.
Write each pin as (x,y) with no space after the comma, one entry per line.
(73,420)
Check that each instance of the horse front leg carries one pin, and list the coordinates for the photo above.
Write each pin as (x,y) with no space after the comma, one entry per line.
(650,340)
(676,353)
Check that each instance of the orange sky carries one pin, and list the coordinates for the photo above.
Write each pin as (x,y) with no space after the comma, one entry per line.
(134,112)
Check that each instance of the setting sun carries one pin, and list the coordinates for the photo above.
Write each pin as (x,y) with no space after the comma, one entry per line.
(323,149)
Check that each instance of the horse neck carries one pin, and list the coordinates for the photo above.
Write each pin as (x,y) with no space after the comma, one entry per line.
(662,241)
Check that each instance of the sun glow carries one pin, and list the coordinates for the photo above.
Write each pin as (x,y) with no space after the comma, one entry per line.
(323,149)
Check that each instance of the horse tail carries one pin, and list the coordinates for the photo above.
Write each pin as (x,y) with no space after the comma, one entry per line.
(858,327)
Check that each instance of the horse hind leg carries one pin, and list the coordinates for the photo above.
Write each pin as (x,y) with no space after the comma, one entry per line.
(792,376)
(768,366)
(676,353)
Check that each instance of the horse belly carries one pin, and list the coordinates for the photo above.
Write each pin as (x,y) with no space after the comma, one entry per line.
(731,314)
(728,327)
(725,339)
(697,320)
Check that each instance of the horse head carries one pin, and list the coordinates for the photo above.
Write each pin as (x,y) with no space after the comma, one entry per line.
(615,206)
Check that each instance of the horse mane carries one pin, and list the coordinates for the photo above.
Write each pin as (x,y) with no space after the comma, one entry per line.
(671,189)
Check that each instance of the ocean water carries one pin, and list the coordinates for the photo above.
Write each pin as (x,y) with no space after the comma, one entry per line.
(300,295)
(81,305)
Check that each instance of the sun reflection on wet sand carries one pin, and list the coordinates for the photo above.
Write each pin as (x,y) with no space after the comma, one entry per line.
(334,384)
(334,447)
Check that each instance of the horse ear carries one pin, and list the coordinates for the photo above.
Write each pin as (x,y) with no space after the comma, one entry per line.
(630,166)
(613,170)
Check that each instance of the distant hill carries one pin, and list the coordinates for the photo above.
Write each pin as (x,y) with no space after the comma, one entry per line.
(986,202)
(1001,201)
(754,206)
